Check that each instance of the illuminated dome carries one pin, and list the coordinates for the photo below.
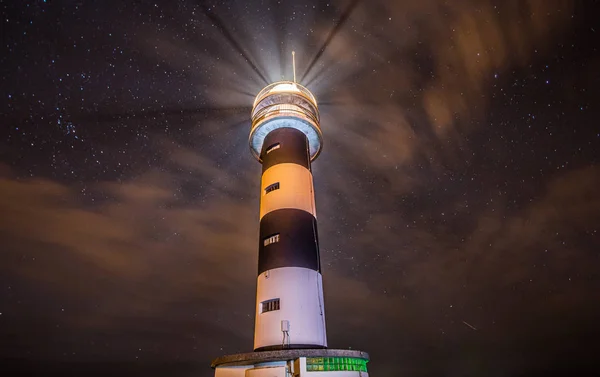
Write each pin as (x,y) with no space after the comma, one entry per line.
(285,104)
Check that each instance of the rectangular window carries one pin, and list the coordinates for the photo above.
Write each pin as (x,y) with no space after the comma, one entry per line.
(273,147)
(271,239)
(270,305)
(273,187)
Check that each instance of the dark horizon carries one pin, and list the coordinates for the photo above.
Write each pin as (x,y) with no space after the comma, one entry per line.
(457,191)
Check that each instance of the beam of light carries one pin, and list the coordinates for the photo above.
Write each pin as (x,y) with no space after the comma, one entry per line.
(159,113)
(335,75)
(332,34)
(244,92)
(280,40)
(316,77)
(221,26)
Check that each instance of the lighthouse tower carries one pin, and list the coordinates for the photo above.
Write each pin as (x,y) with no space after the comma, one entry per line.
(289,333)
(285,138)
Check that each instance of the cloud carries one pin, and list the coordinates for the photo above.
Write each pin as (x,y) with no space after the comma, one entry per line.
(430,66)
(134,258)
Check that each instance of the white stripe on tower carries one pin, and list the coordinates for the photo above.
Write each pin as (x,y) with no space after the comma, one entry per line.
(295,189)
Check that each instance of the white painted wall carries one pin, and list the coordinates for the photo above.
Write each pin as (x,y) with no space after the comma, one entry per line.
(232,371)
(300,291)
(267,372)
(295,189)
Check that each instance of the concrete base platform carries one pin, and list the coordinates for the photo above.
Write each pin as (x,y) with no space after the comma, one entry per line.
(252,358)
(293,362)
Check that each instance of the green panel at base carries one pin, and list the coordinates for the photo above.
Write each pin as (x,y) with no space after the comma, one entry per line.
(327,364)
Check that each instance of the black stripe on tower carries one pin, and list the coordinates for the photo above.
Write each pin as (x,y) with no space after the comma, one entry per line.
(285,145)
(297,244)
(288,236)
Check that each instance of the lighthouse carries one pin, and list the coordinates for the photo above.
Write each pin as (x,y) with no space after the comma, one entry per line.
(285,138)
(290,338)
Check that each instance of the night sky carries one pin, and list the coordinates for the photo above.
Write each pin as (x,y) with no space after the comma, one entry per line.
(458,192)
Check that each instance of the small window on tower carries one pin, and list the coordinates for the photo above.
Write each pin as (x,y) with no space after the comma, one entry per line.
(273,187)
(271,239)
(270,305)
(273,147)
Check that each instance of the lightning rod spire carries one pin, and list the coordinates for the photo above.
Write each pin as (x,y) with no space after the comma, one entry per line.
(294,64)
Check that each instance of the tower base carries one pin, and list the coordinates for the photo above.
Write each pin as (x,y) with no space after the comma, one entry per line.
(293,363)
